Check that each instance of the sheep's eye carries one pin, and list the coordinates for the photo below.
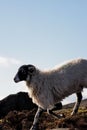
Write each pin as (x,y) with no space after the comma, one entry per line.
(22,74)
(23,71)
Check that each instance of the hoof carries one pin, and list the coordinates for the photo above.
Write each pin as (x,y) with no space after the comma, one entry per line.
(34,127)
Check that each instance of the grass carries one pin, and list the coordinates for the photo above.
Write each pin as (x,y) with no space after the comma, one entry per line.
(24,119)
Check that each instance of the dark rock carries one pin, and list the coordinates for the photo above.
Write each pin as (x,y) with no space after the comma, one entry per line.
(19,102)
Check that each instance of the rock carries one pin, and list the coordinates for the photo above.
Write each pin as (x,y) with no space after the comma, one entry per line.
(19,102)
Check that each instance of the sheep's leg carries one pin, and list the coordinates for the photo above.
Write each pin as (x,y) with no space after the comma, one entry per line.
(57,106)
(79,98)
(36,119)
(55,115)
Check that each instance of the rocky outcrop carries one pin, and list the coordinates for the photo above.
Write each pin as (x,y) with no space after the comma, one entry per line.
(19,102)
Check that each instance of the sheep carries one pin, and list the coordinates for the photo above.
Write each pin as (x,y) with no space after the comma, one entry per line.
(46,88)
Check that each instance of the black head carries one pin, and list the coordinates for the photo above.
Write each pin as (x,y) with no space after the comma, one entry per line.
(24,72)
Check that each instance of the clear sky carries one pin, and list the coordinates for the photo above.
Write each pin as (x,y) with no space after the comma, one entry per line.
(40,32)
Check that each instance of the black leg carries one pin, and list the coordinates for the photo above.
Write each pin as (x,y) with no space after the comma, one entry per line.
(76,107)
(55,115)
(57,106)
(36,119)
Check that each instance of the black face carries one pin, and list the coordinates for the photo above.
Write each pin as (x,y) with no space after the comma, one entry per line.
(23,72)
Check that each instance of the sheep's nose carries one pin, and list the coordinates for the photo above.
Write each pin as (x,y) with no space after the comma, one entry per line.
(16,79)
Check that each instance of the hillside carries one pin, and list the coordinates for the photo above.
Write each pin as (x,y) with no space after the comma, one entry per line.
(22,120)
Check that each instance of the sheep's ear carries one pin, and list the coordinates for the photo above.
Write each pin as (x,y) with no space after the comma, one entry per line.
(31,69)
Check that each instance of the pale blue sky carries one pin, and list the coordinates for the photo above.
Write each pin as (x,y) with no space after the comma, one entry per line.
(40,32)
